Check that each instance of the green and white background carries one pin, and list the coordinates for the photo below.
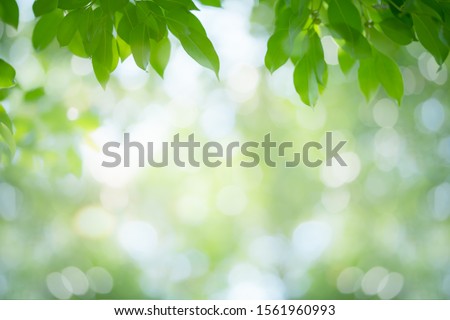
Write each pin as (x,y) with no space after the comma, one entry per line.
(378,228)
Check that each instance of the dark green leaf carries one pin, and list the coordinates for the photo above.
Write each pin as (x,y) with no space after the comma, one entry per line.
(41,7)
(9,12)
(126,23)
(176,4)
(45,30)
(344,12)
(68,27)
(152,16)
(389,76)
(7,75)
(428,32)
(112,6)
(188,29)
(397,31)
(159,55)
(72,4)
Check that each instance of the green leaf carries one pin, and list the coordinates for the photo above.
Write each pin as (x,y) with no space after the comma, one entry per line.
(72,4)
(176,4)
(76,46)
(9,12)
(68,27)
(112,6)
(127,22)
(367,77)
(93,24)
(101,72)
(188,29)
(428,32)
(45,30)
(316,55)
(381,42)
(123,49)
(310,73)
(105,57)
(8,137)
(4,118)
(34,94)
(7,75)
(278,50)
(397,31)
(151,15)
(41,7)
(355,43)
(140,46)
(305,82)
(389,75)
(159,55)
(346,62)
(212,3)
(344,12)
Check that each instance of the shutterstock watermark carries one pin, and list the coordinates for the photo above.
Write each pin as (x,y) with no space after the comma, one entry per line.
(185,152)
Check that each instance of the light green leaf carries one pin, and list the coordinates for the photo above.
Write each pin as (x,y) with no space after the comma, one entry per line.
(45,30)
(428,32)
(212,3)
(305,82)
(76,46)
(278,50)
(346,62)
(159,55)
(8,137)
(41,7)
(4,118)
(123,49)
(367,77)
(7,75)
(9,12)
(188,29)
(389,75)
(140,46)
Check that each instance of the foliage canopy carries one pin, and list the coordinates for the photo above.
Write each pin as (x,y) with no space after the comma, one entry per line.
(369,33)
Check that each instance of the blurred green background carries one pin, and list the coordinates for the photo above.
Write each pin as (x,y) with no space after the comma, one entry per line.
(70,228)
